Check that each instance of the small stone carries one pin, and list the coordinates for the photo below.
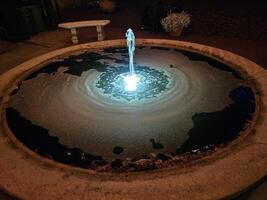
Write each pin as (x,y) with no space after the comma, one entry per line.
(117,150)
(142,157)
(153,155)
(158,163)
(116,164)
(195,150)
(156,145)
(163,157)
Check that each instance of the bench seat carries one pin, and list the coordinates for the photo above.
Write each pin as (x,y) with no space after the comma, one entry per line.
(99,24)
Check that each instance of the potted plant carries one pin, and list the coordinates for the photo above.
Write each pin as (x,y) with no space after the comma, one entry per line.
(108,5)
(175,22)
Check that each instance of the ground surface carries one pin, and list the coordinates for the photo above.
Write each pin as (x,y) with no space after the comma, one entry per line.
(252,45)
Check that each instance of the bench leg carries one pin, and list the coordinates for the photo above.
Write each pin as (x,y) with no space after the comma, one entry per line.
(100,33)
(74,37)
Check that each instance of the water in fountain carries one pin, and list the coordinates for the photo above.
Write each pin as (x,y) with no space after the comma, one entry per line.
(85,102)
(131,80)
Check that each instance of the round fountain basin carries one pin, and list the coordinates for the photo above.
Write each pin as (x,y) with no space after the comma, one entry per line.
(189,105)
(80,112)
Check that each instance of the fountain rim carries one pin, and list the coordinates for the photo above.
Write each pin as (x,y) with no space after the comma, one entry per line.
(253,73)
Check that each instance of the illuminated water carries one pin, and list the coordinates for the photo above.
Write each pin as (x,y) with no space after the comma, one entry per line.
(182,102)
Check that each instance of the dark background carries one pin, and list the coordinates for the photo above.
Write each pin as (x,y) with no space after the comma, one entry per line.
(243,19)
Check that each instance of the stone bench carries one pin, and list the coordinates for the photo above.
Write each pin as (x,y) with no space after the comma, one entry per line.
(99,24)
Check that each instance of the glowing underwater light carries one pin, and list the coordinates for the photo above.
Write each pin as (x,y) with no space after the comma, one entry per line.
(131,82)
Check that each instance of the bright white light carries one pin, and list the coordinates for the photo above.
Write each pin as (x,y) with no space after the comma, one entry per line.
(131,82)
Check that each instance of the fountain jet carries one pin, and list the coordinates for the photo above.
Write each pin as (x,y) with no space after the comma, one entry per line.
(131,80)
(131,47)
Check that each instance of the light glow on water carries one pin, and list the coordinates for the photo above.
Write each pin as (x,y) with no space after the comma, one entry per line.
(147,83)
(131,82)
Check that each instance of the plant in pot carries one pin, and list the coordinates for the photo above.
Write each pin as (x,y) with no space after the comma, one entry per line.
(108,5)
(175,22)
